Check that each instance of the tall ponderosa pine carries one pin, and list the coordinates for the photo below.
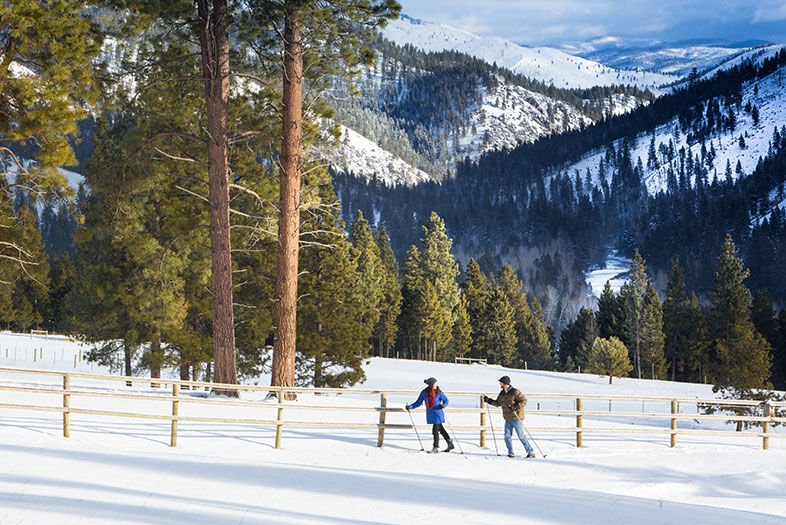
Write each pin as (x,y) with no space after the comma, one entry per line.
(315,40)
(48,81)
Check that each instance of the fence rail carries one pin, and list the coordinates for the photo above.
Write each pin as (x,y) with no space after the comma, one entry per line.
(769,414)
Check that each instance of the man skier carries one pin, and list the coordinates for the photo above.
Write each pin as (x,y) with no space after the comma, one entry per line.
(512,402)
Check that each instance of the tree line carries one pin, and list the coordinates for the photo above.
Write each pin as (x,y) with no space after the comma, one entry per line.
(737,342)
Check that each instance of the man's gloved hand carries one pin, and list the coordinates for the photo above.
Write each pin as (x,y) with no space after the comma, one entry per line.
(487,399)
(407,407)
(514,407)
(441,406)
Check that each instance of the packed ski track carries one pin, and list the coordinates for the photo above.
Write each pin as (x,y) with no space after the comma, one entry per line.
(115,470)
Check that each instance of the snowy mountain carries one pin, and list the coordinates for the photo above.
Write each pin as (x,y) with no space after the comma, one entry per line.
(767,95)
(546,64)
(432,110)
(678,58)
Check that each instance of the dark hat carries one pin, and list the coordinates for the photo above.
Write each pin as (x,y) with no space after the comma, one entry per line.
(505,380)
(430,381)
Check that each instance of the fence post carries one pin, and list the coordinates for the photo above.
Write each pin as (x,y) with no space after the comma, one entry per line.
(66,406)
(482,421)
(280,396)
(767,413)
(175,410)
(674,410)
(383,402)
(579,440)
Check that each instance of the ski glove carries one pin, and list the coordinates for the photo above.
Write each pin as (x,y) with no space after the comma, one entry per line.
(407,407)
(441,406)
(487,399)
(514,407)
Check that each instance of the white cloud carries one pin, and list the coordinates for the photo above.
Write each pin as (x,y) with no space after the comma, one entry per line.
(770,11)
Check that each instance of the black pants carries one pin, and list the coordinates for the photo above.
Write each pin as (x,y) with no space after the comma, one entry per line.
(437,430)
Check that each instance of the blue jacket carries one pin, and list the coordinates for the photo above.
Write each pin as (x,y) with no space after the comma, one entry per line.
(434,416)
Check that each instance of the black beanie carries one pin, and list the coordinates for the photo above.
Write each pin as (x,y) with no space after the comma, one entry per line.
(430,381)
(505,380)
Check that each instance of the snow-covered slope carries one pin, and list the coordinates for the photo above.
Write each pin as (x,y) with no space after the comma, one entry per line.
(115,470)
(767,94)
(546,64)
(355,154)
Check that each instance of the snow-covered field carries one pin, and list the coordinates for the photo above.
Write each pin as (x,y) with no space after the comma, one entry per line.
(123,471)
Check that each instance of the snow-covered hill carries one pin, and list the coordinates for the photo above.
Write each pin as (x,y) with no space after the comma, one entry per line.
(546,64)
(122,470)
(355,154)
(768,95)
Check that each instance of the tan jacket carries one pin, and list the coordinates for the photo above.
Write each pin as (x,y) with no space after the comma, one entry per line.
(512,403)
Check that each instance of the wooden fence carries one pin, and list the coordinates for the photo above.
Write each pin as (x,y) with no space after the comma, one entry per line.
(769,410)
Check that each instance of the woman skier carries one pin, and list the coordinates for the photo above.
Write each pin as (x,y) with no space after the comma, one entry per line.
(435,401)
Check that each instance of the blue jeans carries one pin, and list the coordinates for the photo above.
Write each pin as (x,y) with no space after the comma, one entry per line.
(519,426)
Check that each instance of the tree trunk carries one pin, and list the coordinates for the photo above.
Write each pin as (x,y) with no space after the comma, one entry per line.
(285,314)
(156,357)
(214,41)
(317,372)
(185,373)
(127,354)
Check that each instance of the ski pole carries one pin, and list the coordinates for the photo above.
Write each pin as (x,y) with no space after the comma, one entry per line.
(454,435)
(493,434)
(415,428)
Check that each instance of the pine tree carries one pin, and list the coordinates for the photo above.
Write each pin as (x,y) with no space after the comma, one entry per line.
(611,313)
(386,330)
(476,291)
(652,335)
(329,333)
(461,340)
(634,292)
(497,339)
(61,282)
(609,357)
(577,338)
(412,307)
(369,263)
(763,316)
(439,268)
(779,354)
(675,321)
(742,354)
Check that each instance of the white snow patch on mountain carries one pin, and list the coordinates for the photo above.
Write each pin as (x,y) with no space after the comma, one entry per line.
(545,64)
(357,155)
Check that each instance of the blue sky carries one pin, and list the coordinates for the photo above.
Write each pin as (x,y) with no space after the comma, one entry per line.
(553,21)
